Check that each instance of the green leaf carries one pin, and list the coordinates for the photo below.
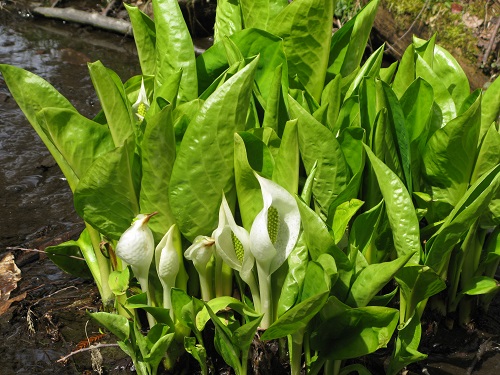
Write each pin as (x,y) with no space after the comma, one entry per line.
(297,265)
(347,45)
(114,102)
(405,74)
(140,301)
(198,352)
(353,332)
(331,97)
(79,140)
(286,168)
(159,348)
(106,195)
(221,303)
(118,281)
(343,214)
(244,335)
(400,211)
(69,257)
(118,325)
(372,279)
(174,48)
(157,159)
(275,115)
(490,110)
(369,69)
(387,74)
(306,29)
(452,149)
(332,174)
(250,42)
(204,168)
(488,155)
(32,94)
(145,38)
(296,318)
(417,283)
(260,13)
(480,285)
(228,19)
(458,222)
(361,239)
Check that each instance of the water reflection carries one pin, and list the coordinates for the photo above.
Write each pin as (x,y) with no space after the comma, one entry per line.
(34,197)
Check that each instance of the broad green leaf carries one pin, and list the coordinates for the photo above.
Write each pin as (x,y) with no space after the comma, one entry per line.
(228,19)
(417,283)
(243,336)
(250,42)
(361,239)
(297,265)
(260,13)
(416,104)
(159,347)
(458,222)
(480,285)
(317,280)
(119,281)
(406,348)
(368,108)
(69,257)
(372,279)
(451,74)
(370,68)
(247,186)
(157,158)
(286,168)
(118,325)
(488,155)
(405,74)
(79,140)
(182,116)
(140,301)
(174,48)
(259,155)
(222,303)
(342,216)
(296,318)
(490,110)
(145,38)
(317,237)
(32,94)
(306,29)
(347,45)
(204,168)
(338,337)
(387,74)
(400,211)
(106,196)
(351,142)
(275,115)
(198,352)
(348,116)
(452,149)
(441,95)
(318,144)
(114,102)
(331,97)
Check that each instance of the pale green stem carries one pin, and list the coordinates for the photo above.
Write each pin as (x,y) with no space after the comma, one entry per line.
(295,342)
(266,296)
(223,278)
(104,267)
(254,290)
(143,281)
(332,366)
(205,286)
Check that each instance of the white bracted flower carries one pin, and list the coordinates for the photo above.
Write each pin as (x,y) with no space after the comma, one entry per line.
(167,265)
(232,243)
(201,253)
(276,227)
(141,105)
(136,248)
(273,236)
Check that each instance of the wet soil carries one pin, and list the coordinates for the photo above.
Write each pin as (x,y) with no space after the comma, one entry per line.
(51,320)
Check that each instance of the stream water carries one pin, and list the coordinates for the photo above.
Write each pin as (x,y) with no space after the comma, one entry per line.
(34,198)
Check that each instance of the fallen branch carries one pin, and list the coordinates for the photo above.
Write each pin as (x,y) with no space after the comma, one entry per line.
(97,346)
(92,19)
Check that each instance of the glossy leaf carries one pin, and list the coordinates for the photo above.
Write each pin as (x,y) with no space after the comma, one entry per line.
(343,215)
(106,196)
(305,26)
(488,155)
(118,325)
(296,318)
(286,168)
(114,102)
(332,173)
(228,19)
(202,172)
(400,211)
(260,13)
(338,338)
(490,110)
(145,38)
(174,48)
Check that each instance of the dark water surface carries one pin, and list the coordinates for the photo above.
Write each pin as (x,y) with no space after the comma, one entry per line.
(35,200)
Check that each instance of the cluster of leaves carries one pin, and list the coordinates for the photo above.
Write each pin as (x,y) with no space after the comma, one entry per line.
(397,170)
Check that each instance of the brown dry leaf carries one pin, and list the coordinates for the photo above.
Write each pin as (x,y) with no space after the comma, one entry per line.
(471,21)
(10,274)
